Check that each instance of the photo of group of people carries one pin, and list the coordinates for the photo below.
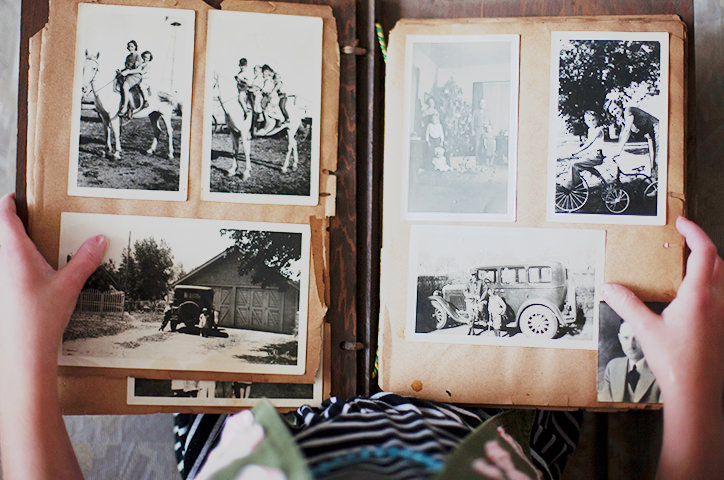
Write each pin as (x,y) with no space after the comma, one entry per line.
(263,107)
(134,74)
(462,117)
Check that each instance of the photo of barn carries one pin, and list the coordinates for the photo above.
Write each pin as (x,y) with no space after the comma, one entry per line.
(232,297)
(241,303)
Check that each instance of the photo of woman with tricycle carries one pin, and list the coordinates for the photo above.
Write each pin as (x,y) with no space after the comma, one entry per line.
(606,133)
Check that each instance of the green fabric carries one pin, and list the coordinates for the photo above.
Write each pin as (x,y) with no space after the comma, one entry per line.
(277,439)
(517,424)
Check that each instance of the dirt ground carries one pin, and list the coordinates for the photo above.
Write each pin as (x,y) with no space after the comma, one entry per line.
(267,159)
(135,170)
(142,340)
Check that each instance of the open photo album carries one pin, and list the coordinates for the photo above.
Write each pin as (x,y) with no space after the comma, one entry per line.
(534,160)
(527,161)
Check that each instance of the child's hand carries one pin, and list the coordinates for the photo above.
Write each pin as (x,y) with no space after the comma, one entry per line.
(36,300)
(684,346)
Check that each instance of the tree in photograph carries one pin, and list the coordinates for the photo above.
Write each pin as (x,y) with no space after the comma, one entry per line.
(145,272)
(456,116)
(127,272)
(104,278)
(155,268)
(268,256)
(590,70)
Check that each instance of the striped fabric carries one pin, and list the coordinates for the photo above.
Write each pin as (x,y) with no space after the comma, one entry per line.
(384,436)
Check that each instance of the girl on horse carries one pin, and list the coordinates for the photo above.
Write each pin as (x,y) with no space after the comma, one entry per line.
(129,77)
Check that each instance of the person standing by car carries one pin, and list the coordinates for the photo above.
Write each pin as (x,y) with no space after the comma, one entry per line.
(476,299)
(496,310)
(205,321)
(167,314)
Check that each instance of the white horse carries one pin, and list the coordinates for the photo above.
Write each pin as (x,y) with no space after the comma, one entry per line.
(239,116)
(238,120)
(107,101)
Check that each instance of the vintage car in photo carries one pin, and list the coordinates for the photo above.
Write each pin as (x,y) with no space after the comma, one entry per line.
(541,299)
(187,304)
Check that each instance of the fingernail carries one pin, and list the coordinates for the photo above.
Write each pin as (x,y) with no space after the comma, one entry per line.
(606,289)
(102,241)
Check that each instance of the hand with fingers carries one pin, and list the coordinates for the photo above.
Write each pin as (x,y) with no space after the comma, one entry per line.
(37,302)
(684,347)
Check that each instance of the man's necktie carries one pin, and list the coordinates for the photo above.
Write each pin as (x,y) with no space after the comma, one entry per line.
(632,378)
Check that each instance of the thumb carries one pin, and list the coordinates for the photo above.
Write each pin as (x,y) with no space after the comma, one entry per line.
(84,262)
(629,307)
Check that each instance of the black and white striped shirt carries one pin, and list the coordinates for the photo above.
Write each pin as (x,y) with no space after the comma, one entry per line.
(384,436)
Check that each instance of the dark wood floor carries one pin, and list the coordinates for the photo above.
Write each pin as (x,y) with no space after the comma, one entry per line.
(617,445)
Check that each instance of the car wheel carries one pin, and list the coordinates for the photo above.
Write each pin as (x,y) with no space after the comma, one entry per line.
(538,321)
(440,317)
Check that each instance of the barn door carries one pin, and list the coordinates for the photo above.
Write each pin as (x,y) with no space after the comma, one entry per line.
(242,309)
(259,309)
(266,310)
(222,301)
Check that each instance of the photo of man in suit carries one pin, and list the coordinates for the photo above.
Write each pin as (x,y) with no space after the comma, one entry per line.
(629,379)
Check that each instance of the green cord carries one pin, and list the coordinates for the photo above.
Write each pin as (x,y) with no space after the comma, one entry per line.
(381,40)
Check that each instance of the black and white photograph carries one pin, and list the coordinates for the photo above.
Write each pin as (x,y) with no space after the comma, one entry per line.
(131,102)
(460,132)
(142,391)
(608,127)
(232,297)
(263,107)
(504,286)
(623,374)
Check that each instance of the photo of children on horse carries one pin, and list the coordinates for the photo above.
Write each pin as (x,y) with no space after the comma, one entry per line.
(134,81)
(132,85)
(263,104)
(262,94)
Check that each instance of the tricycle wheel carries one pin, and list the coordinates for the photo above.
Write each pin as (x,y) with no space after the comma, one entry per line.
(538,321)
(615,198)
(571,199)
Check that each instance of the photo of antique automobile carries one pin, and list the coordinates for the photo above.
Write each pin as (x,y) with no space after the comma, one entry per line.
(537,300)
(191,306)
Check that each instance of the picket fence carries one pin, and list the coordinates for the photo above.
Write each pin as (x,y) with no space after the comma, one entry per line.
(94,301)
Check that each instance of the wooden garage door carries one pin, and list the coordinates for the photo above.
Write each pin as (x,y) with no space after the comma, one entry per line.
(222,301)
(259,309)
